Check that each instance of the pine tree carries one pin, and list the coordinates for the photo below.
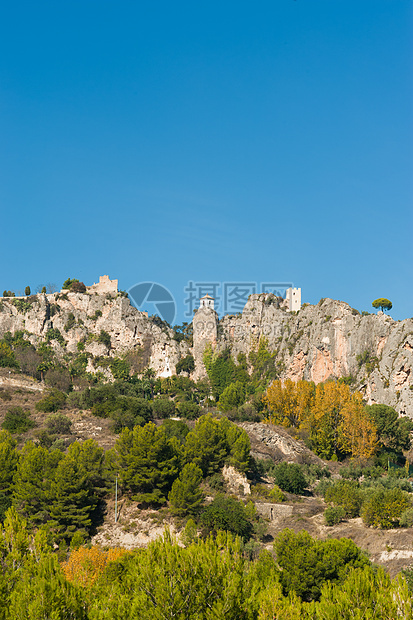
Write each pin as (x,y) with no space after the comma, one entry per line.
(148,462)
(71,503)
(186,496)
(43,592)
(32,491)
(8,466)
(207,445)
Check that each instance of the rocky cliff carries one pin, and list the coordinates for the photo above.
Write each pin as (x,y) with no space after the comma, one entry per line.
(329,340)
(81,317)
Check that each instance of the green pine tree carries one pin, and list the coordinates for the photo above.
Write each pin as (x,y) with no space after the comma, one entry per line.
(71,503)
(206,445)
(147,461)
(186,496)
(8,466)
(43,593)
(32,491)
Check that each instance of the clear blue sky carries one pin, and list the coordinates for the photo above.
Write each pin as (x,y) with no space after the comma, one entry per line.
(212,142)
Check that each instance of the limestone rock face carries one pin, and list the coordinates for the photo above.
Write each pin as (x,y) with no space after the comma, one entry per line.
(84,316)
(235,480)
(331,340)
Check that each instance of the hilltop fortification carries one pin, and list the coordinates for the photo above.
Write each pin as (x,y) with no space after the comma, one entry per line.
(328,340)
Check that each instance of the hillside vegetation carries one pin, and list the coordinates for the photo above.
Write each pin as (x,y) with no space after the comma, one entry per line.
(99,453)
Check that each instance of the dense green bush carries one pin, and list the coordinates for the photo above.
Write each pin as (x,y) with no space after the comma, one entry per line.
(175,428)
(227,513)
(104,338)
(53,401)
(315,471)
(276,495)
(307,563)
(120,368)
(17,420)
(347,494)
(406,518)
(54,334)
(289,477)
(163,408)
(187,364)
(384,508)
(58,424)
(188,410)
(58,378)
(125,419)
(186,496)
(7,357)
(334,515)
(232,397)
(71,321)
(216,482)
(262,492)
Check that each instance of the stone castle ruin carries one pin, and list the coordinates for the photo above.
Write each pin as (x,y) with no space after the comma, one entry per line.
(105,285)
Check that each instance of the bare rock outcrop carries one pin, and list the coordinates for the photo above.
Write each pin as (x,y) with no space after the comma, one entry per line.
(330,340)
(269,441)
(81,317)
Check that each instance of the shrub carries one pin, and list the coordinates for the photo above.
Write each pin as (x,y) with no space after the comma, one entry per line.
(58,423)
(289,477)
(187,364)
(308,564)
(314,471)
(125,419)
(176,428)
(104,338)
(53,401)
(406,518)
(384,508)
(17,421)
(7,358)
(276,495)
(227,513)
(54,334)
(216,482)
(58,378)
(188,410)
(334,515)
(120,368)
(71,321)
(347,494)
(74,400)
(185,496)
(95,316)
(163,408)
(78,287)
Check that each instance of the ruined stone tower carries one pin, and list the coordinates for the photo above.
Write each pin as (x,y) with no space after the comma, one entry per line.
(205,326)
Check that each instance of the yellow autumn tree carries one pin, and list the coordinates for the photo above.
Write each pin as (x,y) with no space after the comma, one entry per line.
(358,433)
(288,402)
(84,565)
(339,423)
